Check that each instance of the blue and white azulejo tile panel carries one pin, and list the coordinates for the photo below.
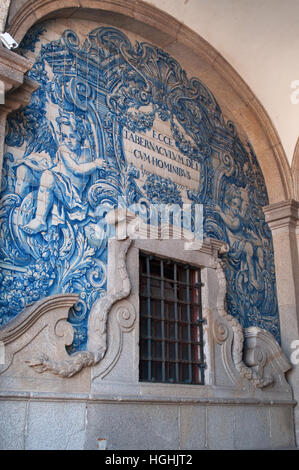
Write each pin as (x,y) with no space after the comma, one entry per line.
(117,121)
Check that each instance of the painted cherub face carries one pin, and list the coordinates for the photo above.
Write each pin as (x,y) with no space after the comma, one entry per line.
(236,204)
(71,138)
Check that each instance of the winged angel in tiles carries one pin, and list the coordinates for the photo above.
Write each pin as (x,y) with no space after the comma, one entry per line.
(52,225)
(61,184)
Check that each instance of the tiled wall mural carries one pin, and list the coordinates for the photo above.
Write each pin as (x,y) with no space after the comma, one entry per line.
(119,121)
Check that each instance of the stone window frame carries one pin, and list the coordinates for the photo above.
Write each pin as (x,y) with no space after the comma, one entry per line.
(231,365)
(205,257)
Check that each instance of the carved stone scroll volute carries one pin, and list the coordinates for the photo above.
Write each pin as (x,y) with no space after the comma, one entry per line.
(257,362)
(41,329)
(97,328)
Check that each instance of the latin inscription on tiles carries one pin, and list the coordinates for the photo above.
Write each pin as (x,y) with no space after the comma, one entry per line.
(155,152)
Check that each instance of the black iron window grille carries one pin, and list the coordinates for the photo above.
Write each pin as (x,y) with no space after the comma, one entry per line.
(171,324)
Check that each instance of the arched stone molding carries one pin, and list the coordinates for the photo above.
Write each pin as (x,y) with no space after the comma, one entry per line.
(295,169)
(194,53)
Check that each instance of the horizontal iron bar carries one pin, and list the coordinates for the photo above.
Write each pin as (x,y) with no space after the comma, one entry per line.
(171,321)
(159,278)
(170,301)
(184,362)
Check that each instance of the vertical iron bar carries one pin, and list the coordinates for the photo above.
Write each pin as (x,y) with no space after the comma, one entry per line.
(170,364)
(189,326)
(202,369)
(177,375)
(196,329)
(162,318)
(149,346)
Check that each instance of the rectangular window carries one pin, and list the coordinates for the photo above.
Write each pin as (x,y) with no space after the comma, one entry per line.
(171,332)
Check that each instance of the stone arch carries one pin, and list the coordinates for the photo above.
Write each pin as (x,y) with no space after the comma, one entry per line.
(295,169)
(195,54)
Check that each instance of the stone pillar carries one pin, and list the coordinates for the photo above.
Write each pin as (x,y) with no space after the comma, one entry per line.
(283,220)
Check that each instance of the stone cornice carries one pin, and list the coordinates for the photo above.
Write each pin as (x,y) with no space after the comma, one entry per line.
(20,96)
(295,169)
(156,399)
(18,88)
(12,68)
(282,214)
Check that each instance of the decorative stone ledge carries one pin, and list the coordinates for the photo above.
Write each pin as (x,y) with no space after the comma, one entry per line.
(18,88)
(12,68)
(282,214)
(19,97)
(155,399)
(31,314)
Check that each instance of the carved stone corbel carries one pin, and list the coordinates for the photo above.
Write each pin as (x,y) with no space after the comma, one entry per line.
(264,355)
(251,353)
